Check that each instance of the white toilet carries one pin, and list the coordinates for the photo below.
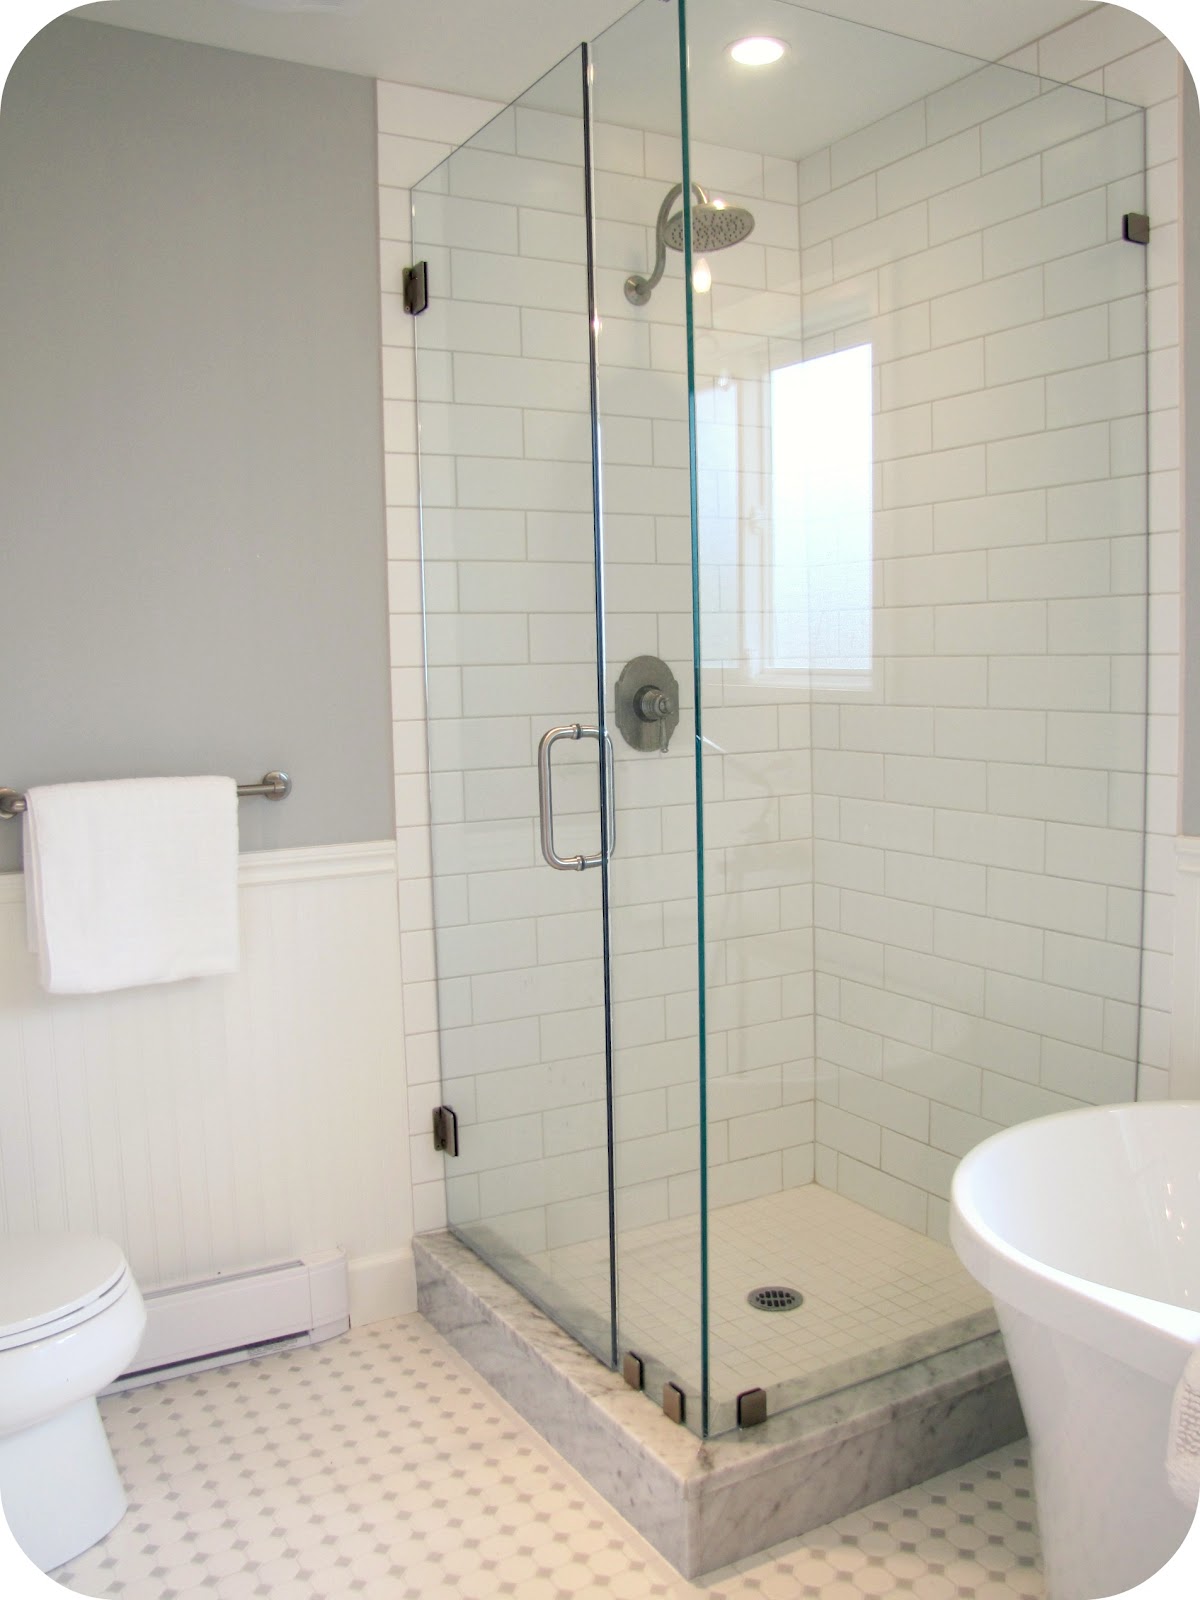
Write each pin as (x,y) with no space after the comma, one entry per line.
(71,1319)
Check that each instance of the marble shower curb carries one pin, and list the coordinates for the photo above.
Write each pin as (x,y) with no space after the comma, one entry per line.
(703,1503)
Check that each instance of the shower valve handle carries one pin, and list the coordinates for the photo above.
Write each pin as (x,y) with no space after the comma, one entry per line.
(653,706)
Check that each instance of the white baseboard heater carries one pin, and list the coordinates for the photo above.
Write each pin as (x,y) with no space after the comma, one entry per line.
(238,1315)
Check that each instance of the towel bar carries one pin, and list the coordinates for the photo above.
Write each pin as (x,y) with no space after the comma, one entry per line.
(272,786)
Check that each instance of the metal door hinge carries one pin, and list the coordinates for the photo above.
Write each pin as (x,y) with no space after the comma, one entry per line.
(751,1408)
(674,1402)
(1135,226)
(445,1130)
(416,288)
(633,1370)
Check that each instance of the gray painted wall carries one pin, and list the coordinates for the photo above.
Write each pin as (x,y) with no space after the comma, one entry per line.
(192,549)
(1191,457)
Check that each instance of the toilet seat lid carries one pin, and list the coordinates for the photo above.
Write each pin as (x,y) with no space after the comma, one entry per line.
(46,1277)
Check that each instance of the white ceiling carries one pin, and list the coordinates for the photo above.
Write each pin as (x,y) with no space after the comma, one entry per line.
(838,74)
(494,49)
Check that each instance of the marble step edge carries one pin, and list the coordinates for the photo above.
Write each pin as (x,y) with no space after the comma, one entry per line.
(806,1429)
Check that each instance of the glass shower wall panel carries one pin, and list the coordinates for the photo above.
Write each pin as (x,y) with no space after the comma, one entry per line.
(645,484)
(511,648)
(982,799)
(921,542)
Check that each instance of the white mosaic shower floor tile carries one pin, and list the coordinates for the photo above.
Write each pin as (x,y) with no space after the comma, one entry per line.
(875,1292)
(378,1466)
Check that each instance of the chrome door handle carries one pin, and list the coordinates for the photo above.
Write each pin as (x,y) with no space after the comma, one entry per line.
(549,739)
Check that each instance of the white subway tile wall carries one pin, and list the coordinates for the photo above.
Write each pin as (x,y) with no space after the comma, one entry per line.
(957,842)
(756,768)
(968,949)
(1130,60)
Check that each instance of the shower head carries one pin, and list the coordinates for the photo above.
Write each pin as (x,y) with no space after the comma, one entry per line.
(715,226)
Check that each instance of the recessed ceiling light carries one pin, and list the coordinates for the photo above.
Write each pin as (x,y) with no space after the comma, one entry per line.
(757,51)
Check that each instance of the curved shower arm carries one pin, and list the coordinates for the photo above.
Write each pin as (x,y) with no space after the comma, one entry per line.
(637,288)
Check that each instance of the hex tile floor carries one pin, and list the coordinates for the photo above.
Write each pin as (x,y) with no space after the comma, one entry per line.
(380,1466)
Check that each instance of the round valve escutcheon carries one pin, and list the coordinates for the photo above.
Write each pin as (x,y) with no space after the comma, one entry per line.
(647,703)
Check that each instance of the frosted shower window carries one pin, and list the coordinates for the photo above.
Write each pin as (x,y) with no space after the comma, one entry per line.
(820,579)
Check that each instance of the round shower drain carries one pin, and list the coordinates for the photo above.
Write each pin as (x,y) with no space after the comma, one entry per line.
(775,1298)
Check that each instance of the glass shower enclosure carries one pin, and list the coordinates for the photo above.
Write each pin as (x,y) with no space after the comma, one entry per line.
(783,488)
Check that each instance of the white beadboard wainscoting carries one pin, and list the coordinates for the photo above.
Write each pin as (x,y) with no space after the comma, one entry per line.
(212,1125)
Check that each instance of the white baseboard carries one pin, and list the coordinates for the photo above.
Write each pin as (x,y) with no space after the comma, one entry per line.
(382,1286)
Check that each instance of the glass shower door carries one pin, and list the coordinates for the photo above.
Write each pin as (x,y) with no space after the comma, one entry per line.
(508,531)
(648,614)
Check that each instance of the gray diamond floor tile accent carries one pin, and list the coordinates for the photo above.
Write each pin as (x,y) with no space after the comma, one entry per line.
(379,1466)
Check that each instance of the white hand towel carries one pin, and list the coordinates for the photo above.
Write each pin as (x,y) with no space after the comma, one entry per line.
(1183,1439)
(131,881)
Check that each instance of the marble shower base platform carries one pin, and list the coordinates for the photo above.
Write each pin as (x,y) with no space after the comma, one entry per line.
(706,1502)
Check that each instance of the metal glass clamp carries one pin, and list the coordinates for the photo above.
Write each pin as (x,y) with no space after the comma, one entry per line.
(549,739)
